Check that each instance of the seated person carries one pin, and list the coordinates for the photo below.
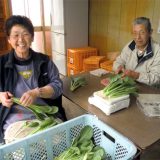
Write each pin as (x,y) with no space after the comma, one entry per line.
(26,74)
(140,58)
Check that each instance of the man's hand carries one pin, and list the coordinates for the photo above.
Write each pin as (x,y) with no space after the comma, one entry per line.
(119,70)
(6,99)
(130,73)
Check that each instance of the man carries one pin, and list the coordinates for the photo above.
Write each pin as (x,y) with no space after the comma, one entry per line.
(140,58)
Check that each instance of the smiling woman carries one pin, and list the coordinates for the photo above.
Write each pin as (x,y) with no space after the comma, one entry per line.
(26,74)
(20,39)
(40,17)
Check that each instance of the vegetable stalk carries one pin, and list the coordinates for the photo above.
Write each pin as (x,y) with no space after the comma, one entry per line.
(77,82)
(119,86)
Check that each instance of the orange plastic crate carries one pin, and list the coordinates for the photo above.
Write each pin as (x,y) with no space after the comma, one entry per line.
(75,56)
(92,62)
(71,70)
(107,65)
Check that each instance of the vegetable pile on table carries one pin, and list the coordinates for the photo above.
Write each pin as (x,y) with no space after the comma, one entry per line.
(83,148)
(120,86)
(44,115)
(77,82)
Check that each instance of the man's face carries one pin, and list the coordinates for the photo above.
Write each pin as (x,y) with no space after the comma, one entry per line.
(140,35)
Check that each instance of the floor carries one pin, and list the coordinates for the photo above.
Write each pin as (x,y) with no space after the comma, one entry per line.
(72,111)
(152,153)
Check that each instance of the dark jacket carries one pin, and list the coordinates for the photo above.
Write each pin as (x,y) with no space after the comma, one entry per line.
(9,79)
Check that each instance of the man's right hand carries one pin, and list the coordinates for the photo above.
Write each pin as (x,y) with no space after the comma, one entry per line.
(120,69)
(6,99)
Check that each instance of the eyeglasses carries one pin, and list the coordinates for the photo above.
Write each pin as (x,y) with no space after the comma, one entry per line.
(20,35)
(141,33)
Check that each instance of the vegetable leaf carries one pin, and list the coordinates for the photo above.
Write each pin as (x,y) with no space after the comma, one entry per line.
(119,86)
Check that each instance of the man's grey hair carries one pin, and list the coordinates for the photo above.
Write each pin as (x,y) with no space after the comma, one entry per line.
(145,21)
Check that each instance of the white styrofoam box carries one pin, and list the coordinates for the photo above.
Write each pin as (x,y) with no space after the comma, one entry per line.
(109,105)
(100,95)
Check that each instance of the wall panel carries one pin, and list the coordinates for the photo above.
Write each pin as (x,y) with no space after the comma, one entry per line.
(111,22)
(145,8)
(102,25)
(156,20)
(128,12)
(93,21)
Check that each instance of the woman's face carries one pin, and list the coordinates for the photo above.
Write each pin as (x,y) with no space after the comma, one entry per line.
(141,35)
(20,40)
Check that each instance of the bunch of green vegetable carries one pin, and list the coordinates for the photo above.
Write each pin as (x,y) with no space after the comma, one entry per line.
(77,82)
(83,148)
(41,125)
(119,86)
(44,115)
(41,112)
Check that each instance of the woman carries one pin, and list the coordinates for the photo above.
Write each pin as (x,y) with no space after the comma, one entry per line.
(25,74)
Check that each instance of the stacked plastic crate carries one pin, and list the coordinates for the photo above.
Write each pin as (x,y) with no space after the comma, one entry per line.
(108,63)
(92,62)
(75,57)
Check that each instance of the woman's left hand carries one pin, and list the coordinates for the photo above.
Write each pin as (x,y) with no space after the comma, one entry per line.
(29,97)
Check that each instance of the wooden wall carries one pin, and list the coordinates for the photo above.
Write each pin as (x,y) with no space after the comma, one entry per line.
(4,45)
(110,22)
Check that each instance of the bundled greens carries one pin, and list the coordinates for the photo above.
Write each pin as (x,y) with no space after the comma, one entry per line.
(44,115)
(83,148)
(41,112)
(47,123)
(77,82)
(119,86)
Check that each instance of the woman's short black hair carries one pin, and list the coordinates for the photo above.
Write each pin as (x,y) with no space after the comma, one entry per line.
(19,20)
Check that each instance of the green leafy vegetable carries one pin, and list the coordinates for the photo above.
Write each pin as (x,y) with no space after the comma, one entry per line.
(85,135)
(77,82)
(119,86)
(32,124)
(47,123)
(45,115)
(41,112)
(83,148)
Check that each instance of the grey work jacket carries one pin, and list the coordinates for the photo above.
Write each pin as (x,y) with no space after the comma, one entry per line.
(148,66)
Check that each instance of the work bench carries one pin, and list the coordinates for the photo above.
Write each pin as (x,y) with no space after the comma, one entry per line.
(143,131)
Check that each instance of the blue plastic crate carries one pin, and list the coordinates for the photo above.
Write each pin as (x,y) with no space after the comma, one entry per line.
(49,143)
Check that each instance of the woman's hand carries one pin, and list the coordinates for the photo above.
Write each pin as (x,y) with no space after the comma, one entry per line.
(46,92)
(29,97)
(6,99)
